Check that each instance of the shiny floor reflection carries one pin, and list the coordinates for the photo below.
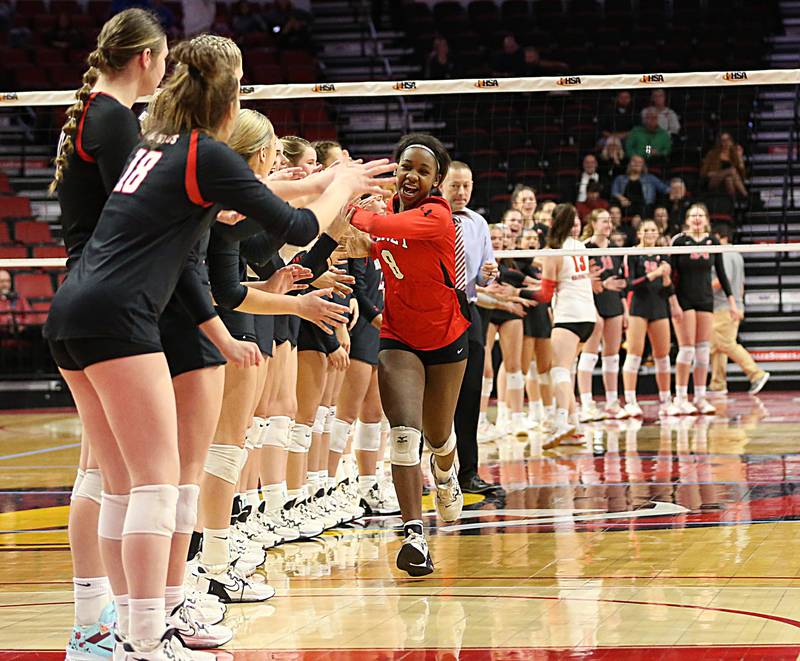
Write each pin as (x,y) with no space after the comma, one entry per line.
(656,540)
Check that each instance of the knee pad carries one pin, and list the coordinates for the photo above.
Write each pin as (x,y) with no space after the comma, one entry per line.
(91,486)
(113,509)
(611,363)
(276,433)
(702,355)
(533,374)
(406,443)
(560,375)
(367,436)
(662,364)
(544,378)
(329,418)
(319,421)
(486,386)
(515,381)
(151,510)
(77,484)
(186,510)
(449,444)
(339,431)
(632,364)
(586,362)
(259,424)
(299,438)
(225,462)
(685,356)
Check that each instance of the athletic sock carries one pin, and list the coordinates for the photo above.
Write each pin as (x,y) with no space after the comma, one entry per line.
(253,499)
(147,622)
(699,392)
(682,392)
(440,475)
(665,396)
(630,396)
(612,397)
(482,418)
(562,418)
(215,547)
(586,399)
(122,603)
(273,496)
(173,596)
(91,597)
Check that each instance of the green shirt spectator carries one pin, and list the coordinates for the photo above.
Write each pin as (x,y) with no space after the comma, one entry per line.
(650,134)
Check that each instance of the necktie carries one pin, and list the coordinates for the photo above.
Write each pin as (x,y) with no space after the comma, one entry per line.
(461,261)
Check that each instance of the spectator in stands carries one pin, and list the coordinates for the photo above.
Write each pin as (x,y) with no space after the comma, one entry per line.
(244,20)
(667,117)
(509,61)
(617,239)
(661,219)
(725,329)
(636,190)
(439,65)
(618,120)
(593,200)
(612,159)
(533,65)
(679,203)
(13,306)
(648,140)
(588,174)
(523,199)
(64,35)
(292,25)
(723,167)
(198,16)
(166,17)
(6,15)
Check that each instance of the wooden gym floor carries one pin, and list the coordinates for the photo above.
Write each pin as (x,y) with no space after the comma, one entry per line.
(659,541)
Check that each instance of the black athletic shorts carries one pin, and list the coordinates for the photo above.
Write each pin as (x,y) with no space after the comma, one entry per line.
(499,317)
(186,347)
(80,353)
(583,329)
(312,338)
(365,342)
(287,328)
(538,323)
(698,304)
(265,332)
(454,352)
(649,307)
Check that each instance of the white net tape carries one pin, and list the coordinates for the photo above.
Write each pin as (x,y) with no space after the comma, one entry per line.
(467,85)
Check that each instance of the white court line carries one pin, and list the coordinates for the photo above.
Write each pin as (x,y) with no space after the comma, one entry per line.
(31,453)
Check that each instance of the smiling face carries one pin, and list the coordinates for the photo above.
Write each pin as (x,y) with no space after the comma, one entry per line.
(602,224)
(497,235)
(525,202)
(576,227)
(417,175)
(648,233)
(513,220)
(697,220)
(308,160)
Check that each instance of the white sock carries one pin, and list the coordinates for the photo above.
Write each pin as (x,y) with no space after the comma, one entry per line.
(482,418)
(630,396)
(665,396)
(366,482)
(612,396)
(550,410)
(586,399)
(699,392)
(562,417)
(273,496)
(502,411)
(380,469)
(253,499)
(173,596)
(297,494)
(312,481)
(215,547)
(91,597)
(147,621)
(322,480)
(682,392)
(123,614)
(440,475)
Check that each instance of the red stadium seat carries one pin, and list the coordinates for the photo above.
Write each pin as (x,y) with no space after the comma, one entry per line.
(15,207)
(13,252)
(262,56)
(43,23)
(13,57)
(266,74)
(5,235)
(49,252)
(65,7)
(100,10)
(326,131)
(5,186)
(297,57)
(49,56)
(30,7)
(31,77)
(34,285)
(38,314)
(32,231)
(301,73)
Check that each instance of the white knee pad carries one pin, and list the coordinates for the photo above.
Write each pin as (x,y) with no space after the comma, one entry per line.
(632,364)
(586,362)
(276,433)
(339,431)
(367,436)
(685,356)
(91,486)
(405,446)
(662,364)
(515,381)
(151,510)
(259,424)
(611,363)
(486,386)
(447,448)
(76,485)
(560,375)
(329,418)
(544,379)
(319,421)
(113,509)
(533,373)
(225,462)
(299,438)
(702,354)
(186,511)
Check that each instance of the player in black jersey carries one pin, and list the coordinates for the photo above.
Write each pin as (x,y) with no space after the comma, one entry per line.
(691,274)
(104,319)
(98,135)
(607,286)
(652,300)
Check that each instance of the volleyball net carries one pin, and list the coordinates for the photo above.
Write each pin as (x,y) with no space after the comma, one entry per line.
(545,133)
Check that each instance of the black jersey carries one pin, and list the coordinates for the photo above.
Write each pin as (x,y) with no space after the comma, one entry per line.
(692,274)
(368,288)
(154,217)
(106,134)
(648,298)
(608,303)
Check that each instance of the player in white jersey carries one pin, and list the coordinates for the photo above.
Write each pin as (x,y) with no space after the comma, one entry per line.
(567,281)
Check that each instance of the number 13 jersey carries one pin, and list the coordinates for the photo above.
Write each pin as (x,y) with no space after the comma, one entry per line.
(417,253)
(574,300)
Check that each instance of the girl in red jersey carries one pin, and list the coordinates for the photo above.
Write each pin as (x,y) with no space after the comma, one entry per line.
(423,336)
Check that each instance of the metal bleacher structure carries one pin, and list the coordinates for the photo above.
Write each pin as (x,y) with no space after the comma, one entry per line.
(358,40)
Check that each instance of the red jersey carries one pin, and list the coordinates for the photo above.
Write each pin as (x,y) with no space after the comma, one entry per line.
(416,249)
